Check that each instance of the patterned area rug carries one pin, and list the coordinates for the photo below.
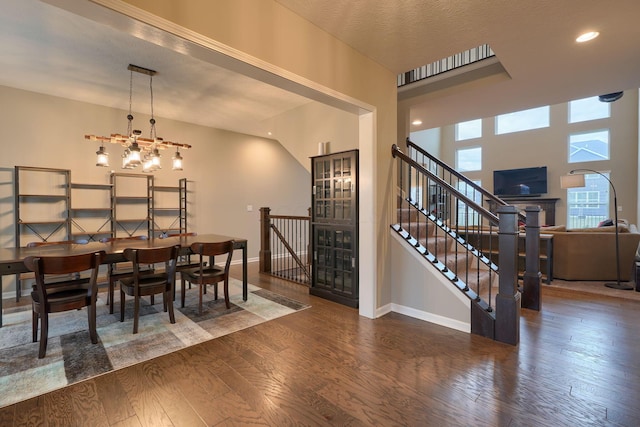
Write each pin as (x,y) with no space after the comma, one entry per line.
(71,357)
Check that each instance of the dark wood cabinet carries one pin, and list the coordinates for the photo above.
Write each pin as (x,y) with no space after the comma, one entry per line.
(334,227)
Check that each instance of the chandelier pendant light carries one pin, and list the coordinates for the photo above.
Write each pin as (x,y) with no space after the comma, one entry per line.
(138,150)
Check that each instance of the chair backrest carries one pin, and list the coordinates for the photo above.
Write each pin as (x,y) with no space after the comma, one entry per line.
(64,264)
(168,255)
(60,265)
(117,239)
(206,249)
(63,242)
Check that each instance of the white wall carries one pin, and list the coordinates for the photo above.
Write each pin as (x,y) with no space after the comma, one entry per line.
(301,129)
(226,171)
(549,147)
(420,291)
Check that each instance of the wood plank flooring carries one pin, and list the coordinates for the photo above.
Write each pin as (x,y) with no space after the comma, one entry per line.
(578,364)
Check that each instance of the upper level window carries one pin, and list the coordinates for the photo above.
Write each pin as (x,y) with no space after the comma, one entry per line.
(469,130)
(534,118)
(582,110)
(469,159)
(589,146)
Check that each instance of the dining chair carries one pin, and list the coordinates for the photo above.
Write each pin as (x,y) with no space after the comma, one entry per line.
(116,271)
(38,244)
(184,262)
(140,284)
(63,295)
(204,275)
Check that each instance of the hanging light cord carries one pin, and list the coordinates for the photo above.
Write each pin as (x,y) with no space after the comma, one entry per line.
(130,116)
(152,132)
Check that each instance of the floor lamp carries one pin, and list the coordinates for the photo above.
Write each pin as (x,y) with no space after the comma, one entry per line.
(573,180)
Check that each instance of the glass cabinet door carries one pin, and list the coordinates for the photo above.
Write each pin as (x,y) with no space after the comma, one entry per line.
(334,189)
(335,227)
(334,259)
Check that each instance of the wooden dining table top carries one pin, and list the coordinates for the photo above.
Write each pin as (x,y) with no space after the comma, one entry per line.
(113,249)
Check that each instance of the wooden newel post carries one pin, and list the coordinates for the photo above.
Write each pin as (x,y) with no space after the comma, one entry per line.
(531,292)
(265,240)
(507,328)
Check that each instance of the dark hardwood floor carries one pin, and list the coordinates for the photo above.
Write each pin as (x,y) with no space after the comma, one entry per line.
(577,364)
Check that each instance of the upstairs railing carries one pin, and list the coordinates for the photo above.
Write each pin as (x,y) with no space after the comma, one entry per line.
(284,246)
(446,64)
(440,213)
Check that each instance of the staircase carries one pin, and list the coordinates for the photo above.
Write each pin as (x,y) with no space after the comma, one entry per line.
(440,214)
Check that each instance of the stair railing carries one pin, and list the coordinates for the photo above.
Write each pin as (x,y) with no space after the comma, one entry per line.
(454,178)
(441,218)
(284,246)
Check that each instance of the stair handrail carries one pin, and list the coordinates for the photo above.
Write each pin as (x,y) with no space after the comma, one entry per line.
(493,219)
(457,174)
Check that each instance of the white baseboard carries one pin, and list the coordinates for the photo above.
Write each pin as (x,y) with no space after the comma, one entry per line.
(432,318)
(423,315)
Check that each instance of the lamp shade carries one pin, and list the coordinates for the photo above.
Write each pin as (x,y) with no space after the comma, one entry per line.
(572,181)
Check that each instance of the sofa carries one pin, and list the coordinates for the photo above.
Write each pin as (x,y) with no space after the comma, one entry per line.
(590,253)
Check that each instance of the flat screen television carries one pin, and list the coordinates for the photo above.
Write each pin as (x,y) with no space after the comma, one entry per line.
(520,182)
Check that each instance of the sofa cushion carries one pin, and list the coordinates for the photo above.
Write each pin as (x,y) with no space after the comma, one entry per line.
(606,229)
(551,228)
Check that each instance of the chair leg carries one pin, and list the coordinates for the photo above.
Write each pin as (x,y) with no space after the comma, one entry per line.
(182,292)
(226,293)
(136,313)
(93,333)
(34,324)
(200,286)
(44,334)
(215,291)
(169,302)
(121,305)
(112,285)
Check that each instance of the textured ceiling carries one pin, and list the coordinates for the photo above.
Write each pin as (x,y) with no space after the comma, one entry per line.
(534,41)
(50,50)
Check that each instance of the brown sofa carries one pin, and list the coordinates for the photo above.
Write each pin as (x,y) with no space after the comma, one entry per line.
(590,254)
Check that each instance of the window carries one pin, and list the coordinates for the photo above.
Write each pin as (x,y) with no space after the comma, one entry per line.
(469,159)
(589,146)
(589,205)
(582,110)
(469,130)
(467,216)
(518,121)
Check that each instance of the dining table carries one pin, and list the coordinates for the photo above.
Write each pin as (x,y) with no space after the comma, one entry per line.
(12,259)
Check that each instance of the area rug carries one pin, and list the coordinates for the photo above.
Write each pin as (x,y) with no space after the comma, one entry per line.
(71,357)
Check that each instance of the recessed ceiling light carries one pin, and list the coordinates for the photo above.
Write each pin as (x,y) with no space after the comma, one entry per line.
(416,122)
(587,36)
(269,133)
